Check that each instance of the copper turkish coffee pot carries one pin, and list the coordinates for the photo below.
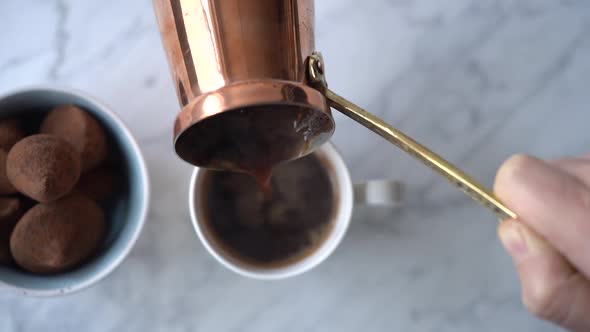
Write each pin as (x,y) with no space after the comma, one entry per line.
(253,91)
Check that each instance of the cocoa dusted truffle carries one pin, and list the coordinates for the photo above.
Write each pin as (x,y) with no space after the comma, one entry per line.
(10,133)
(98,184)
(10,212)
(43,167)
(57,236)
(82,130)
(5,186)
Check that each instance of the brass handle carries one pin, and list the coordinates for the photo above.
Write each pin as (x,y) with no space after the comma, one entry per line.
(454,175)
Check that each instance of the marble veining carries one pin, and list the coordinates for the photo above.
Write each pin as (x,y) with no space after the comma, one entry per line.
(476,80)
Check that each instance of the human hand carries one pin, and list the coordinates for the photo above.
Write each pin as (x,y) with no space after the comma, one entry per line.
(550,241)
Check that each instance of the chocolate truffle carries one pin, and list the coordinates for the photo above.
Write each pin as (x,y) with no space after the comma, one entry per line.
(98,184)
(57,236)
(10,133)
(10,212)
(82,130)
(5,186)
(43,167)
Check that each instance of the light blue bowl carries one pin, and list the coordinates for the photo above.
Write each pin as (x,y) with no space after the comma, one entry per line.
(125,214)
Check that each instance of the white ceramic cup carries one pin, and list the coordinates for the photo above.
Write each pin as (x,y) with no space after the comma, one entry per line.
(377,192)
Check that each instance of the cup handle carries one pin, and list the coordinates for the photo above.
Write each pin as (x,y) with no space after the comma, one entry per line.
(386,193)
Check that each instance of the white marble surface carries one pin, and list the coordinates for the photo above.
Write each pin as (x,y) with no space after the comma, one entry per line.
(477,80)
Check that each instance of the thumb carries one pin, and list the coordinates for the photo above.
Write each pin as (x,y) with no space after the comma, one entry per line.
(551,288)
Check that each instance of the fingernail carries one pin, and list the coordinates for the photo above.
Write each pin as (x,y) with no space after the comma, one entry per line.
(521,241)
(513,239)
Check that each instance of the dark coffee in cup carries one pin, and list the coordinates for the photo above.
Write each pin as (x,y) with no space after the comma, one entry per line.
(275,229)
